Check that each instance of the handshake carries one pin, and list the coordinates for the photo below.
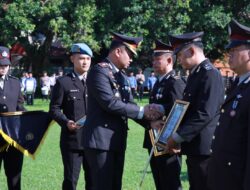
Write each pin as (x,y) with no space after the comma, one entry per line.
(153,112)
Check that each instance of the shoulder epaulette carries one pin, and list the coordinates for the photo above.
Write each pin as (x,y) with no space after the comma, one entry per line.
(68,75)
(207,66)
(177,77)
(10,76)
(247,80)
(104,65)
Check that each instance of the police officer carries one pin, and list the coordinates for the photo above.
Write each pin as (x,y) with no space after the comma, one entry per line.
(229,167)
(165,168)
(205,92)
(10,100)
(68,105)
(110,104)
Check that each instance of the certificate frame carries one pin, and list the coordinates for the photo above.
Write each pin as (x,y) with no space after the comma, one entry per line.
(158,151)
(172,122)
(81,121)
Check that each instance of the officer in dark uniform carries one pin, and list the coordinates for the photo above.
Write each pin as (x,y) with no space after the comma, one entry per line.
(205,92)
(10,100)
(168,87)
(110,104)
(68,105)
(229,167)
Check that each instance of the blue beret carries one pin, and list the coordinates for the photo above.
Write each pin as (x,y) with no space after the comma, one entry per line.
(81,48)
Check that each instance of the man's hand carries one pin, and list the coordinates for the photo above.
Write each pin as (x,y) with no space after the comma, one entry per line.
(157,124)
(172,147)
(71,125)
(153,112)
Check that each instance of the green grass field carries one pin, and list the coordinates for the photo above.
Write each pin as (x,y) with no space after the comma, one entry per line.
(46,171)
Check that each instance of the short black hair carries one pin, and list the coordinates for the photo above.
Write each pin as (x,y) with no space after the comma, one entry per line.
(199,45)
(115,44)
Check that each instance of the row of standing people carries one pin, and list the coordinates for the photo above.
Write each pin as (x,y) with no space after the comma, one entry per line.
(100,145)
(29,85)
(137,83)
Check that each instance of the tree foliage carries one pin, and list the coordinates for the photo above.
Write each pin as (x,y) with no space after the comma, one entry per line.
(91,21)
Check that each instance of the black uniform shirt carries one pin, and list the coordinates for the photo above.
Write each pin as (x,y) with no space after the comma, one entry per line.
(205,92)
(68,102)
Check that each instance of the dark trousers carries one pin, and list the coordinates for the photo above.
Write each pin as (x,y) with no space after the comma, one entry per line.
(13,162)
(140,90)
(72,162)
(197,167)
(166,172)
(106,168)
(30,99)
(45,97)
(133,90)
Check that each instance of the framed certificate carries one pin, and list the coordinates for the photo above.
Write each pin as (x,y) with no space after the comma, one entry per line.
(172,123)
(154,133)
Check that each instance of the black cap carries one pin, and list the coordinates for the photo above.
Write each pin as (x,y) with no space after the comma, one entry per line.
(162,48)
(180,41)
(4,56)
(239,34)
(132,43)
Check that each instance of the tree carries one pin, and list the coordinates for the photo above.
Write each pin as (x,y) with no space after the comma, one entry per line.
(91,21)
(69,21)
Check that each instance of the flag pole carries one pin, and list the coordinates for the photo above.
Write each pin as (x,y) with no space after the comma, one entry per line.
(148,161)
(146,167)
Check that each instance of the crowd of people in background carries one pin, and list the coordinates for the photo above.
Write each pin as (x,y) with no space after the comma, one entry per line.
(140,85)
(29,85)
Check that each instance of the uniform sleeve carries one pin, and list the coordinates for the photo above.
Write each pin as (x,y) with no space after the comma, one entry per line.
(99,85)
(207,104)
(56,105)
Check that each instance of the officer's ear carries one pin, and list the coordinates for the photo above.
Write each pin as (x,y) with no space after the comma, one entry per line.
(169,59)
(71,58)
(118,52)
(189,52)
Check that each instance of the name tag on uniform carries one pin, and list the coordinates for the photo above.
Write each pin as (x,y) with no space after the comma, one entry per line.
(74,90)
